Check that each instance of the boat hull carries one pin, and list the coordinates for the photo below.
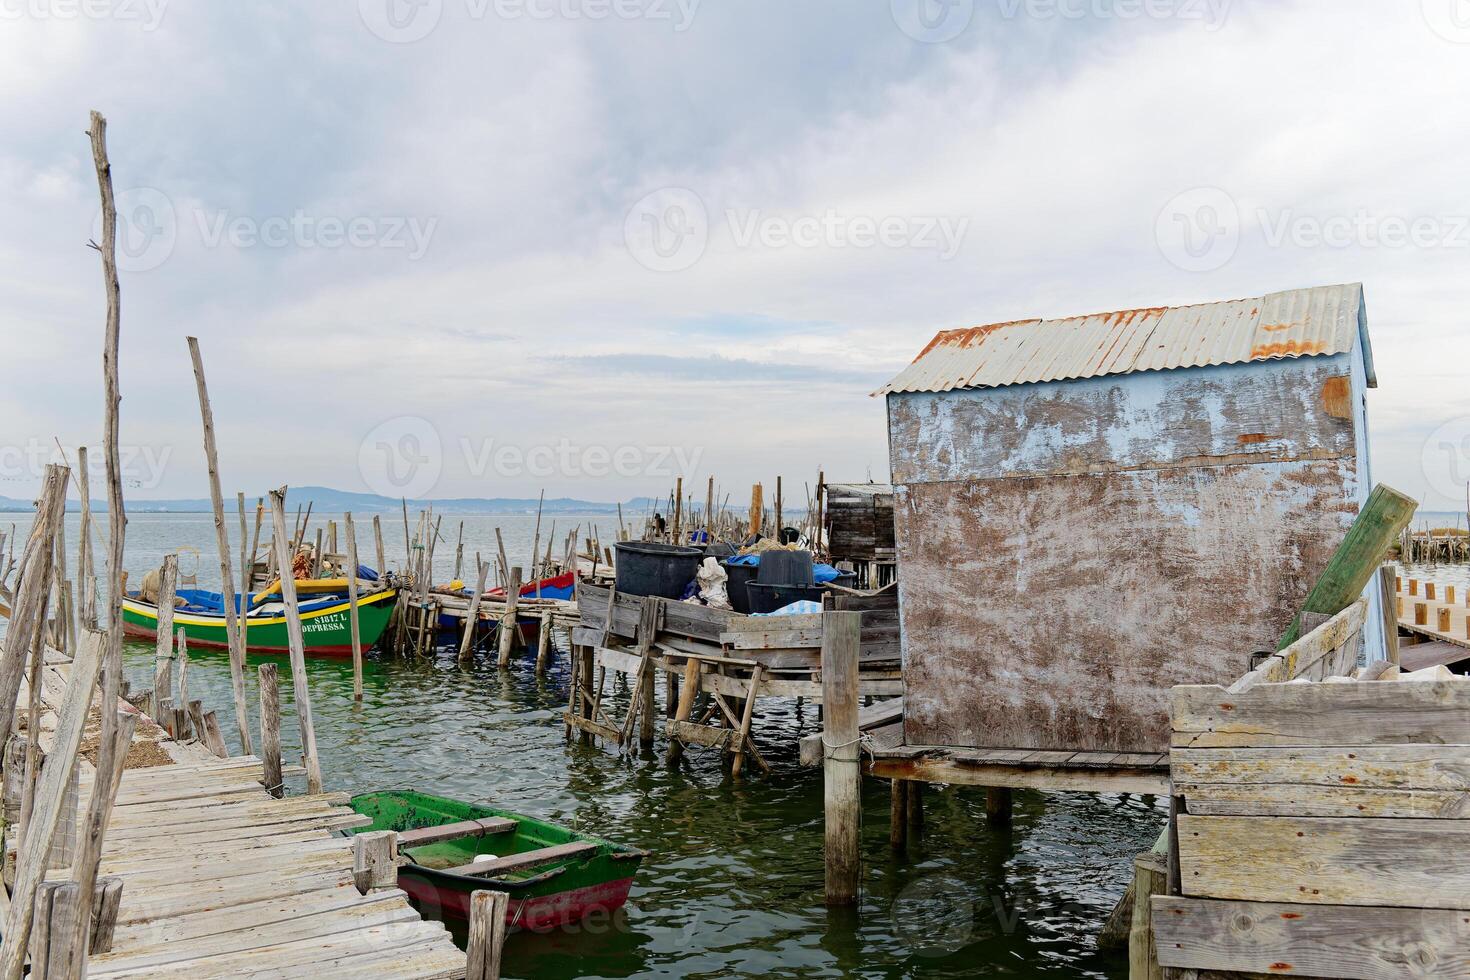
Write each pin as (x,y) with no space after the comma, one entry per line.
(544,896)
(325,632)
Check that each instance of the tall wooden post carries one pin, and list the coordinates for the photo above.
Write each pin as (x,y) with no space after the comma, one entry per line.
(352,615)
(86,573)
(163,632)
(294,641)
(226,560)
(381,567)
(841,639)
(247,560)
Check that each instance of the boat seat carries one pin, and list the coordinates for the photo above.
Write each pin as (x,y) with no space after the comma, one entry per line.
(452,831)
(530,859)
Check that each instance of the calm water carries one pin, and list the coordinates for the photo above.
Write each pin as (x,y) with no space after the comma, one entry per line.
(733,886)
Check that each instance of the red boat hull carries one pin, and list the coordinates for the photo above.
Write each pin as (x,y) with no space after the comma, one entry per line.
(538,913)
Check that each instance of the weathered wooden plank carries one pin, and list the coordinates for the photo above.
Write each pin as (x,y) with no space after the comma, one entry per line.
(1217,799)
(1016,776)
(1306,653)
(1326,860)
(527,859)
(1311,940)
(1425,712)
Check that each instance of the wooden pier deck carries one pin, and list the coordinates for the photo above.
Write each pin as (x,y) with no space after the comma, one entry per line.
(220,879)
(1438,616)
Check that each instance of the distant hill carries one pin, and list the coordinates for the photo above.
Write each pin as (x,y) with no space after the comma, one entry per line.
(327,500)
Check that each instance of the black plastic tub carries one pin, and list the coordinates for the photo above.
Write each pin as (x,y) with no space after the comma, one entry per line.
(786,567)
(739,576)
(650,568)
(848,580)
(767,598)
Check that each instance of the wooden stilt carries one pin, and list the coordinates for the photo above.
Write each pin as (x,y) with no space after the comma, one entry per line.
(999,805)
(543,642)
(841,640)
(472,618)
(164,631)
(508,627)
(270,731)
(898,814)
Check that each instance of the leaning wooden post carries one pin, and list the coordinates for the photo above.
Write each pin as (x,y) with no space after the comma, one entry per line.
(375,860)
(32,594)
(352,606)
(472,618)
(163,632)
(226,561)
(296,644)
(487,934)
(841,638)
(247,561)
(1357,559)
(270,731)
(381,567)
(30,865)
(105,784)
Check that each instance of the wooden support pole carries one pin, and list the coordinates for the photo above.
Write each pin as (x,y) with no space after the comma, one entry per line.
(375,860)
(381,568)
(1151,877)
(841,640)
(543,642)
(1392,606)
(226,560)
(270,731)
(296,644)
(105,784)
(1421,614)
(183,658)
(688,693)
(104,913)
(1413,586)
(352,613)
(999,806)
(1444,619)
(163,631)
(33,593)
(30,868)
(472,618)
(508,627)
(916,807)
(486,935)
(1431,590)
(247,560)
(86,572)
(898,814)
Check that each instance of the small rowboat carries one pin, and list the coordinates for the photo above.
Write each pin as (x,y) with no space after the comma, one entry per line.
(325,627)
(553,875)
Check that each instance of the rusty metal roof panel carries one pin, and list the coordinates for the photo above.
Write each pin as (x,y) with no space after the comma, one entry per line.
(1304,322)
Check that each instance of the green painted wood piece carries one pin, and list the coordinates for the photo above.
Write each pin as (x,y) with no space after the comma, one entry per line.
(1358,558)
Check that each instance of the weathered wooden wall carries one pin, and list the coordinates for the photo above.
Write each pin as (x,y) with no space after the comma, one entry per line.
(860,522)
(1070,551)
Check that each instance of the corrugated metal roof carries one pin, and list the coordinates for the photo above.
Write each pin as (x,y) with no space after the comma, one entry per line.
(1301,322)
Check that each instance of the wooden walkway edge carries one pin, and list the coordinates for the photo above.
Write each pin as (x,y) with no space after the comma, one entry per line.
(222,880)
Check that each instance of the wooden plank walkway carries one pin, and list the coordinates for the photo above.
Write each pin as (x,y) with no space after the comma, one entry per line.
(222,880)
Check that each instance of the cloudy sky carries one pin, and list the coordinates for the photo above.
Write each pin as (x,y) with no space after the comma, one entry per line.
(582,244)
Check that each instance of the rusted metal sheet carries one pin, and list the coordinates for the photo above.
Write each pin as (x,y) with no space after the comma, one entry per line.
(1056,613)
(1267,412)
(1303,322)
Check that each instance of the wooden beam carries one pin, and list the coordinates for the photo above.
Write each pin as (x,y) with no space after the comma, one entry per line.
(842,799)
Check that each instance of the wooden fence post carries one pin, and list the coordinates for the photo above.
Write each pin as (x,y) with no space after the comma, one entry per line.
(508,627)
(472,618)
(487,934)
(841,639)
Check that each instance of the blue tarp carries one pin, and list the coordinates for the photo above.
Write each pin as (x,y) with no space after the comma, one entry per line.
(213,603)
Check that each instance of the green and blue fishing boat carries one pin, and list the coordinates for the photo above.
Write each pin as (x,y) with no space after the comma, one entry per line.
(553,875)
(325,626)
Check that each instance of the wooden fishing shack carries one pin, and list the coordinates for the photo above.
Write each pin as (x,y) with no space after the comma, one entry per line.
(1092,510)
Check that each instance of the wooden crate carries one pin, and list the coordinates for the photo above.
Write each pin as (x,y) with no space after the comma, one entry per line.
(1324,826)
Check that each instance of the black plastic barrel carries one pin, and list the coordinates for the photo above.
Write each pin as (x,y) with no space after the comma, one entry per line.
(786,568)
(650,568)
(766,597)
(739,577)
